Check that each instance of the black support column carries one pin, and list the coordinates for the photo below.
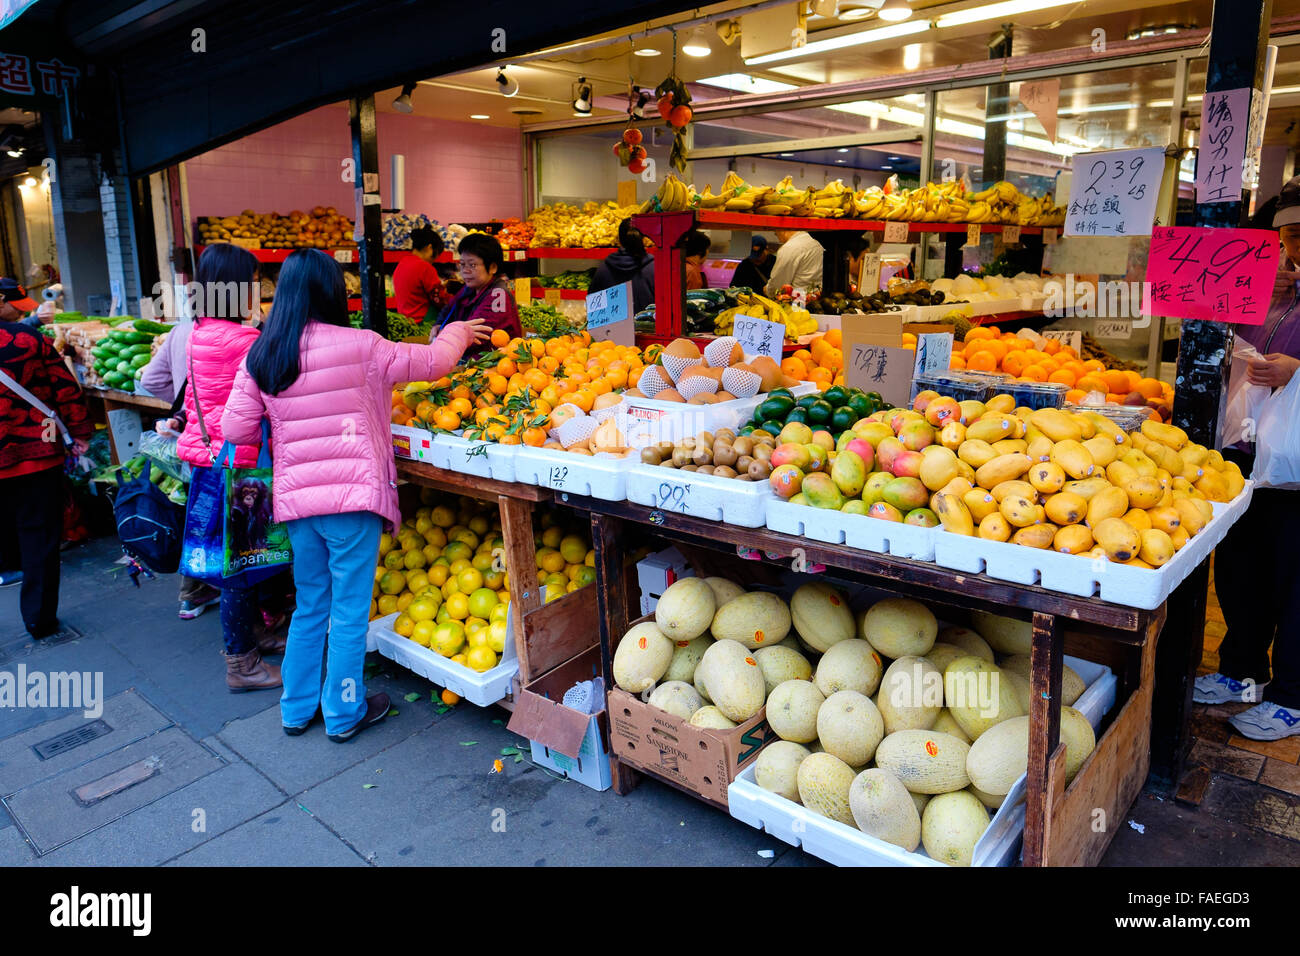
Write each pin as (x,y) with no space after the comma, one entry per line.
(997,103)
(365,157)
(1238,38)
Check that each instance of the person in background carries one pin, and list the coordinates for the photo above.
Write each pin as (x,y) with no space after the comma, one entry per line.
(1256,576)
(326,387)
(696,246)
(416,284)
(753,271)
(214,354)
(798,263)
(487,294)
(631,263)
(32,453)
(857,248)
(16,305)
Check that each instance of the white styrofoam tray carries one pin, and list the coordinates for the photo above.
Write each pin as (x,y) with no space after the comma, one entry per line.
(645,421)
(844,845)
(482,689)
(1087,577)
(742,503)
(384,623)
(482,458)
(856,531)
(596,476)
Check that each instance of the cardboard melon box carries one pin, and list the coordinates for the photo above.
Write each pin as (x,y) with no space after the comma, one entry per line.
(701,760)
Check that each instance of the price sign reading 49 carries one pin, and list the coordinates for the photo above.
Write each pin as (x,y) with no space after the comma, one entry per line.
(1225,275)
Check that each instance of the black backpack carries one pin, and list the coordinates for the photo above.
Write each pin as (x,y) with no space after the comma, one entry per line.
(149,525)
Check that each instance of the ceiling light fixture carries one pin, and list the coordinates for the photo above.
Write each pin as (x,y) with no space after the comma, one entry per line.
(697,44)
(646,51)
(894,10)
(403,102)
(582,99)
(479,116)
(996,11)
(508,84)
(886,167)
(912,56)
(786,154)
(29,181)
(14,153)
(852,10)
(891,32)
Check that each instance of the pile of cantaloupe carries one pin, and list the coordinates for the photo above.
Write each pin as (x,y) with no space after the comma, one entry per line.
(889,724)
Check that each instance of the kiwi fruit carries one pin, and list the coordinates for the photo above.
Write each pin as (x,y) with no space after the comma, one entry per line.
(652,456)
(759,470)
(763,452)
(681,457)
(723,471)
(724,454)
(703,456)
(688,468)
(704,470)
(744,445)
(742,463)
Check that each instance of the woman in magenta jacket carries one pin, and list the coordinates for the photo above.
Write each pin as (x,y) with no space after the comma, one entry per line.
(227,276)
(487,294)
(326,389)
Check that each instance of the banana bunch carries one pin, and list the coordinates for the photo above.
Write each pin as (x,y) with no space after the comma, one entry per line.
(832,201)
(706,199)
(673,196)
(784,200)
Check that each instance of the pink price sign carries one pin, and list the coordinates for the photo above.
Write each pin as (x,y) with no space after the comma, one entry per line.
(1224,275)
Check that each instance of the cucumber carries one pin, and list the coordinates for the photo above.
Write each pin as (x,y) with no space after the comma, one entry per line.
(124,366)
(113,379)
(152,328)
(140,361)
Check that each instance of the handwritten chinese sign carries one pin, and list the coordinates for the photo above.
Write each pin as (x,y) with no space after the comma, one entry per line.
(759,336)
(1113,193)
(1225,121)
(1225,275)
(884,369)
(1042,97)
(19,76)
(933,353)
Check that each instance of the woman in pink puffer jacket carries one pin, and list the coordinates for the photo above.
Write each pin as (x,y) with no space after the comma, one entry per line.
(326,389)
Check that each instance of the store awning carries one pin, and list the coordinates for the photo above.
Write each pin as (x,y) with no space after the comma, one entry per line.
(192,74)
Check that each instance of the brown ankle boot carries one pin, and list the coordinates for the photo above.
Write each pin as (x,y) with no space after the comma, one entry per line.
(249,672)
(269,643)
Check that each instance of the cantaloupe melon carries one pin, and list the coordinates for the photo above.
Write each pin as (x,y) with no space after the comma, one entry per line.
(686,657)
(897,627)
(710,717)
(780,664)
(1006,635)
(734,682)
(1079,738)
(945,724)
(698,683)
(1072,685)
(926,762)
(685,609)
(850,727)
(824,782)
(755,620)
(941,655)
(920,800)
(792,710)
(724,590)
(882,807)
(989,800)
(777,768)
(849,665)
(999,756)
(821,615)
(951,826)
(911,695)
(978,696)
(642,657)
(967,639)
(1021,687)
(677,698)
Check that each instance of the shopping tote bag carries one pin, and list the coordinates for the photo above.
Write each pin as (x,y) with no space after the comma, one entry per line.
(253,539)
(1277,441)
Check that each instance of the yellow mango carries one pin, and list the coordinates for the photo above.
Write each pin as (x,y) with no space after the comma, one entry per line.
(1179,538)
(1035,536)
(1170,435)
(976,452)
(1003,403)
(994,527)
(992,427)
(1119,539)
(1072,539)
(1066,508)
(1192,521)
(1157,548)
(1039,447)
(1138,518)
(1056,424)
(954,515)
(1002,468)
(1102,450)
(1165,518)
(1144,492)
(1087,488)
(1213,486)
(1014,487)
(980,503)
(1074,458)
(1047,477)
(952,435)
(1110,503)
(1019,511)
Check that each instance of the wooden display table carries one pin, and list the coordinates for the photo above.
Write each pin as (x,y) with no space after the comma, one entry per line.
(1062,826)
(126,415)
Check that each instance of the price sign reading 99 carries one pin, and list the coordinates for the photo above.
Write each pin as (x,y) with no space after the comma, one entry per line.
(1224,275)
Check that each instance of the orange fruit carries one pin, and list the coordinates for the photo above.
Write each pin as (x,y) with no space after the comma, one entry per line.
(1075,395)
(1014,362)
(957,361)
(450,698)
(1116,381)
(980,332)
(426,410)
(821,375)
(1052,347)
(982,361)
(1134,380)
(534,437)
(794,367)
(1096,365)
(1062,376)
(461,406)
(1035,373)
(1150,387)
(446,418)
(500,337)
(402,415)
(834,338)
(583,398)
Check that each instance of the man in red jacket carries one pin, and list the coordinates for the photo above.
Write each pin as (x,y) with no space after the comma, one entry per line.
(31,460)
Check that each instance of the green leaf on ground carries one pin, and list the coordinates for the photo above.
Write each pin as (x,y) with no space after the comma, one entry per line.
(469,743)
(412,697)
(393,712)
(369,786)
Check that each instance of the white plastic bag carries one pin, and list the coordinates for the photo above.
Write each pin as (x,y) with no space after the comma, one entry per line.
(1277,442)
(1245,401)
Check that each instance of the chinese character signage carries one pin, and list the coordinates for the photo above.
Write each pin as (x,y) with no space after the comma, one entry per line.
(21,75)
(1113,193)
(1225,121)
(1225,275)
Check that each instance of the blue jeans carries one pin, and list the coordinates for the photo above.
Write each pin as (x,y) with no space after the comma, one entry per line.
(334,558)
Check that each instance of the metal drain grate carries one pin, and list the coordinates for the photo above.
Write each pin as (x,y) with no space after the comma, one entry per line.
(62,636)
(72,739)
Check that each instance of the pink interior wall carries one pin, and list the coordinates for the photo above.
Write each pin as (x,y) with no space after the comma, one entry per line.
(455,172)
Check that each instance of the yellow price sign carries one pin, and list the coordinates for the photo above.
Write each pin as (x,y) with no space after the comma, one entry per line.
(523,289)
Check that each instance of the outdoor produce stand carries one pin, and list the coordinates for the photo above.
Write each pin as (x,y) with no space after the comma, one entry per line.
(1059,822)
(126,414)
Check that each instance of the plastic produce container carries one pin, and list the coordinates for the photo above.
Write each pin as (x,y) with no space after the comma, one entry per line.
(1037,394)
(1127,417)
(959,385)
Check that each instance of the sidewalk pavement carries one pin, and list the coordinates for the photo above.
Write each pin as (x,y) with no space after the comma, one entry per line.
(177,771)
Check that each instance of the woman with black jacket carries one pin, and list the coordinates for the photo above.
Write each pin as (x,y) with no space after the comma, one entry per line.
(631,263)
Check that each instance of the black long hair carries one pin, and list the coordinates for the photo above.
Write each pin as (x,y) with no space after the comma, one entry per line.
(310,289)
(225,273)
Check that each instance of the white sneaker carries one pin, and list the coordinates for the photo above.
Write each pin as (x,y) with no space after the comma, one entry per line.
(1218,688)
(1267,722)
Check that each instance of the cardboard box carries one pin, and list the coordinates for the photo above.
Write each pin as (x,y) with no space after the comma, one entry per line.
(875,359)
(655,572)
(565,740)
(698,759)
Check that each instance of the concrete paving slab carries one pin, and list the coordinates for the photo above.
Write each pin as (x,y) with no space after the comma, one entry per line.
(174,824)
(1176,835)
(51,815)
(14,850)
(284,836)
(130,716)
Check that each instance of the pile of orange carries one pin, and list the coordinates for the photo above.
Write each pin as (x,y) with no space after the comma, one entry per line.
(822,362)
(507,395)
(988,349)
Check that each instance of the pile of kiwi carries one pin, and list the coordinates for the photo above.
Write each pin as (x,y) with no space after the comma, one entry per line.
(721,453)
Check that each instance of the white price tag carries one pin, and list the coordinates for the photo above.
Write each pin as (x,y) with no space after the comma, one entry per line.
(1010,234)
(933,353)
(1113,193)
(1113,328)
(370,182)
(1223,141)
(973,234)
(1071,337)
(896,231)
(343,255)
(518,255)
(799,298)
(1049,237)
(759,336)
(673,496)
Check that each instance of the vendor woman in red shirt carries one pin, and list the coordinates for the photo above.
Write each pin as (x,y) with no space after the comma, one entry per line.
(416,283)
